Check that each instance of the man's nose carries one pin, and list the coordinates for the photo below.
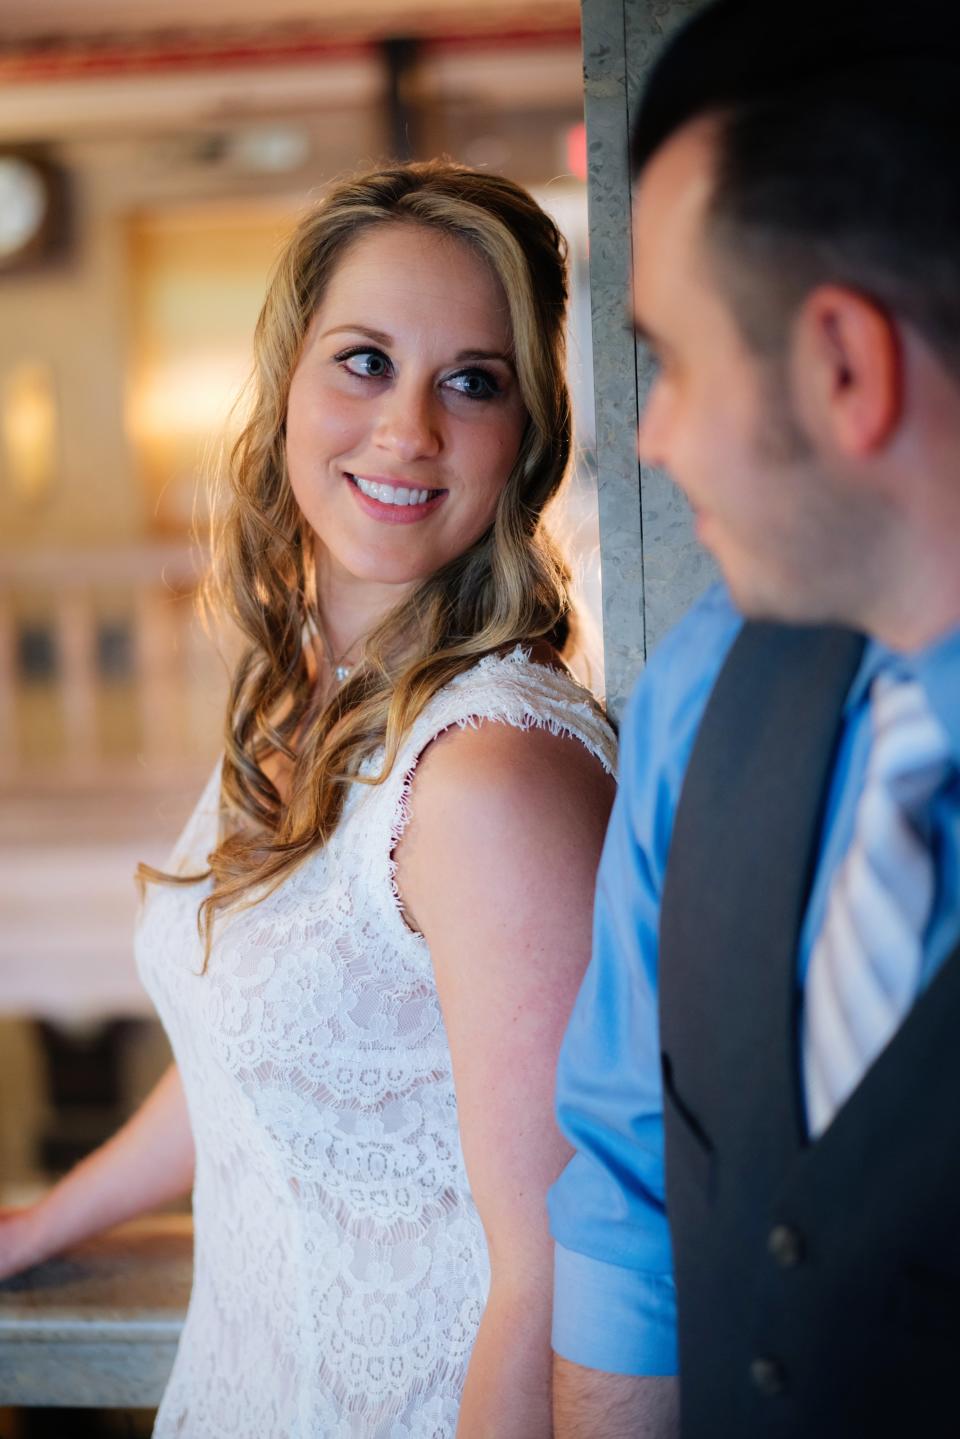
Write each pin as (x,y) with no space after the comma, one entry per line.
(651,430)
(408,423)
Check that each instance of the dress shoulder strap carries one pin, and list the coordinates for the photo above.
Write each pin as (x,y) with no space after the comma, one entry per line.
(513,689)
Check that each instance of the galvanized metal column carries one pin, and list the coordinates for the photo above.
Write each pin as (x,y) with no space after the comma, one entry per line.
(651,565)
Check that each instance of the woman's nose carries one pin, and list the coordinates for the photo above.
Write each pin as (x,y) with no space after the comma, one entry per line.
(408,425)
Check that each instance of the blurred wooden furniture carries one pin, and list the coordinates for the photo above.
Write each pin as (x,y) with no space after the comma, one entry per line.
(111,705)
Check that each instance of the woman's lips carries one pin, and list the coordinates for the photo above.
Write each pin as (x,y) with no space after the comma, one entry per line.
(391,514)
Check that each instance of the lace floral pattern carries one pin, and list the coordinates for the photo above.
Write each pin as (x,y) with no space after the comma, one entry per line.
(340,1267)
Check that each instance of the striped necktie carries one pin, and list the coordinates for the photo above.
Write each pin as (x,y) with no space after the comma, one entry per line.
(866,961)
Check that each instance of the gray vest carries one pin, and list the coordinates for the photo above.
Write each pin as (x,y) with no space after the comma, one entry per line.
(818,1284)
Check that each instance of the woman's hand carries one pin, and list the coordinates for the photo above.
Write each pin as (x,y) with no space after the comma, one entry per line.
(18,1245)
(497,869)
(147,1163)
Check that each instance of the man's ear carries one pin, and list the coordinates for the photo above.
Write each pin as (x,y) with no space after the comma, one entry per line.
(846,371)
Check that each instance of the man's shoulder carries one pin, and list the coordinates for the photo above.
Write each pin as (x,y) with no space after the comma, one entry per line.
(668,700)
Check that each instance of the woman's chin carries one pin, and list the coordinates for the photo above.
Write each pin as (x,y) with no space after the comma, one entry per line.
(378,567)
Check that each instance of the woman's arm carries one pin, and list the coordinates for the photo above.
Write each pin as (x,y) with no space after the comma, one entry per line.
(147,1163)
(497,869)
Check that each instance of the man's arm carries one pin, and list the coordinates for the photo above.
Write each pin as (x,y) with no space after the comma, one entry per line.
(614,1329)
(590,1404)
(614,1303)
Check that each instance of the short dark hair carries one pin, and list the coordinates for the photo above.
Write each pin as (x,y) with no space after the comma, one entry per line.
(837,152)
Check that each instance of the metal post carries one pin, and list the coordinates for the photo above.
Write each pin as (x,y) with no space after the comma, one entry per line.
(651,565)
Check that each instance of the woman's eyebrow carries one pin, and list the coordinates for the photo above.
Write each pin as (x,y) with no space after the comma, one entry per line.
(466,355)
(380,337)
(377,335)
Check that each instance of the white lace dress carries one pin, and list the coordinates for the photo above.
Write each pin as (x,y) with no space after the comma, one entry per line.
(340,1267)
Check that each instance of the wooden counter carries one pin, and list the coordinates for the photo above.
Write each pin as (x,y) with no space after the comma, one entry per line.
(98,1326)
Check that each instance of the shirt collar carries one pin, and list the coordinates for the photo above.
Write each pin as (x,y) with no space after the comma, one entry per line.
(937,667)
(876,657)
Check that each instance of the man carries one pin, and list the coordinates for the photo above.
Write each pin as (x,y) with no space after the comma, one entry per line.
(765,1048)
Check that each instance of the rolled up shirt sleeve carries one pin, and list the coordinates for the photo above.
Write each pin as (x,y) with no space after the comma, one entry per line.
(614,1298)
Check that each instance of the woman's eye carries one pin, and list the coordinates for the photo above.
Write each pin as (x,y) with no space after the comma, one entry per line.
(368,364)
(475,384)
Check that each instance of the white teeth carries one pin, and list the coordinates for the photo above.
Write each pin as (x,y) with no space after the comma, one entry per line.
(391,494)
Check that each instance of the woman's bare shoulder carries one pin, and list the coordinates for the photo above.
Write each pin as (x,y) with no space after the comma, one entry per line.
(490,762)
(499,800)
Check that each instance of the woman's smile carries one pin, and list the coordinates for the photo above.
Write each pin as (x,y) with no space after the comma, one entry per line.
(394,501)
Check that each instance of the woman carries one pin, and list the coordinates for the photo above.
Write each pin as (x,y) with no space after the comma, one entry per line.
(393,866)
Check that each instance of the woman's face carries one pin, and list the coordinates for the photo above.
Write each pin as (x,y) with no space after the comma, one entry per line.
(405,416)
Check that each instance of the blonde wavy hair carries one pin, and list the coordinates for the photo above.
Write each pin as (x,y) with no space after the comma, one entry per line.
(510,586)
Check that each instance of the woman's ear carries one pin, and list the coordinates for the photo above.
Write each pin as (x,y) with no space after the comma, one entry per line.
(846,371)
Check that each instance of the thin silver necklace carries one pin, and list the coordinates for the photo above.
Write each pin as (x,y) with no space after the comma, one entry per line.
(340,671)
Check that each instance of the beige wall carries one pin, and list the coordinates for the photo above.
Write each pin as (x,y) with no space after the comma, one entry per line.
(72,316)
(197,280)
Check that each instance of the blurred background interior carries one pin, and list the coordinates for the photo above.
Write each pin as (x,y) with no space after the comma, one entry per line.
(153,153)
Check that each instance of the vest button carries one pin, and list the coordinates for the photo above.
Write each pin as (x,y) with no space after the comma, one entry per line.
(768,1375)
(786,1245)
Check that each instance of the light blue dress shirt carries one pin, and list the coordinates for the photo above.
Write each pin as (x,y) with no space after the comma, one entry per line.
(614,1306)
